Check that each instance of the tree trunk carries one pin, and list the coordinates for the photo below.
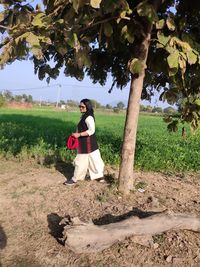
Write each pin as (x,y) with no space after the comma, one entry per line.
(130,130)
(88,238)
(129,140)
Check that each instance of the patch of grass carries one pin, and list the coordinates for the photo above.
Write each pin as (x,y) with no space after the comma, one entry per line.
(32,191)
(160,238)
(98,264)
(102,197)
(15,195)
(141,185)
(41,135)
(23,262)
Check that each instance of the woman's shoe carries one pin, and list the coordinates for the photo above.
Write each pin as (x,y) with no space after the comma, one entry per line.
(70,182)
(100,180)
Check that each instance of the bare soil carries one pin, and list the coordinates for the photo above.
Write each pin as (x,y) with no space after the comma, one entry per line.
(33,200)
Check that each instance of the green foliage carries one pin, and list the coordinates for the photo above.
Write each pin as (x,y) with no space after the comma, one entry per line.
(105,37)
(141,185)
(157,110)
(136,66)
(7,96)
(2,101)
(72,103)
(95,104)
(116,110)
(95,3)
(40,135)
(169,110)
(120,105)
(108,106)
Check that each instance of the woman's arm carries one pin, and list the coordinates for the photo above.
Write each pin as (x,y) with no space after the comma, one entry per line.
(91,128)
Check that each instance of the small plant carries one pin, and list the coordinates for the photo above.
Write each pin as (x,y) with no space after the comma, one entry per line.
(160,238)
(141,185)
(102,197)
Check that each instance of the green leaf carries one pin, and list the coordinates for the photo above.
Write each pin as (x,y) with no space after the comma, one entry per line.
(162,39)
(170,49)
(160,24)
(5,56)
(2,16)
(108,30)
(73,41)
(123,15)
(136,66)
(21,37)
(170,96)
(38,20)
(182,63)
(183,55)
(60,21)
(127,35)
(37,52)
(33,40)
(147,10)
(197,102)
(130,38)
(83,58)
(170,24)
(192,57)
(95,3)
(184,45)
(76,5)
(172,60)
(62,50)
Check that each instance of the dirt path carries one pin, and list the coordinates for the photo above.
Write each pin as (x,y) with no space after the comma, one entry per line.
(33,201)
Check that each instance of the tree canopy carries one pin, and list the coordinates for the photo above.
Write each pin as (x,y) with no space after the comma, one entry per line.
(103,37)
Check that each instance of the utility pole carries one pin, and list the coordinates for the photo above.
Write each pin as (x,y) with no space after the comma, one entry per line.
(58,95)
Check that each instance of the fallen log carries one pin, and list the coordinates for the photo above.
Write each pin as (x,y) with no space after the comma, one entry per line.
(89,238)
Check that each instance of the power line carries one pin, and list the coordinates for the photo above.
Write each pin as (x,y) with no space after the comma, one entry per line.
(34,88)
(86,86)
(50,86)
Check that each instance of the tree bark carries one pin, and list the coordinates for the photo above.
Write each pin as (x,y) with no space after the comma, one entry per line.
(89,238)
(130,130)
(129,140)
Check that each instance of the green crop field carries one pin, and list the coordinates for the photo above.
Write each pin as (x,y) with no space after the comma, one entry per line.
(40,134)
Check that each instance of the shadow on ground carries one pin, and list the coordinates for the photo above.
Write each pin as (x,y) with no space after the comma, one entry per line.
(3,238)
(108,218)
(65,168)
(55,229)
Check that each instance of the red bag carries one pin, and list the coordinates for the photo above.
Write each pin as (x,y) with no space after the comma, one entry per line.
(72,142)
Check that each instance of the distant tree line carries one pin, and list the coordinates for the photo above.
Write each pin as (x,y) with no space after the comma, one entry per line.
(7,96)
(150,109)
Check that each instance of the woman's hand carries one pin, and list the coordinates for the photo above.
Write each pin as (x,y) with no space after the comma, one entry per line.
(76,135)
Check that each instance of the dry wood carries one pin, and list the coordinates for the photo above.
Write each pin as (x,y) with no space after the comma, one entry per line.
(87,238)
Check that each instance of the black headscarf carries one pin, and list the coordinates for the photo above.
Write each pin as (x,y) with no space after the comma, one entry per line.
(89,108)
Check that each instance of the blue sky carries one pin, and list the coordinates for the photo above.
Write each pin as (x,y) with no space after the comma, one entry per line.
(19,78)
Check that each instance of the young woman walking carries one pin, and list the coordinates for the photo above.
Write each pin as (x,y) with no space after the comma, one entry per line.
(88,157)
